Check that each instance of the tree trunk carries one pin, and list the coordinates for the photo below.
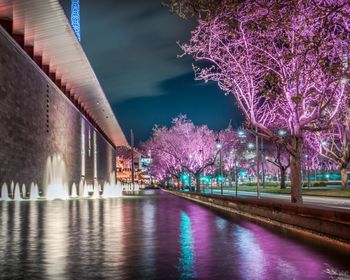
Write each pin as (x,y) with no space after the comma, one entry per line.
(198,183)
(344,178)
(283,177)
(296,179)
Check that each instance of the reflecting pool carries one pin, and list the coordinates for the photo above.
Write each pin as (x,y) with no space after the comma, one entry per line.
(151,236)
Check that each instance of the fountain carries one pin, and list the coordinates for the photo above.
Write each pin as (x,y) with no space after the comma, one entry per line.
(96,193)
(12,187)
(112,189)
(81,187)
(4,192)
(55,186)
(74,193)
(24,191)
(34,192)
(17,193)
(85,190)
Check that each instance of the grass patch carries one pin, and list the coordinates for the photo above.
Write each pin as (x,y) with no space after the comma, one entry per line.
(326,192)
(266,189)
(342,193)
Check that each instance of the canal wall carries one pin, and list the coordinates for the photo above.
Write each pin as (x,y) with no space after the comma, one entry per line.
(41,127)
(330,225)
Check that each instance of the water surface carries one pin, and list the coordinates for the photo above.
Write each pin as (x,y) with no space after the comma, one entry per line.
(150,236)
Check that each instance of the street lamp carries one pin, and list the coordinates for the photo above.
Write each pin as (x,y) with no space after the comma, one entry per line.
(257,162)
(308,170)
(199,183)
(219,147)
(282,132)
(149,154)
(235,166)
(250,146)
(241,134)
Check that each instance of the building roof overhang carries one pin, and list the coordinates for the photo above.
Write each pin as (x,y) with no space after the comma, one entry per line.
(46,28)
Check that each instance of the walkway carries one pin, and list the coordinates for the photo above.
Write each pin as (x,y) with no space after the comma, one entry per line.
(334,202)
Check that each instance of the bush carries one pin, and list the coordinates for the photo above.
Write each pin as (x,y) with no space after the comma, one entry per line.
(315,184)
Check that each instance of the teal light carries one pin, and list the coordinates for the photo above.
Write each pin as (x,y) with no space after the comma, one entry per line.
(220,178)
(185,178)
(186,260)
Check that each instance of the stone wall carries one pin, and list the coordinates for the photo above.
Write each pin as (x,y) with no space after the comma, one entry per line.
(320,222)
(37,121)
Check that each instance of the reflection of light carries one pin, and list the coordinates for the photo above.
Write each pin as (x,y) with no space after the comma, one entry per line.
(186,260)
(148,234)
(262,254)
(252,256)
(220,223)
(55,239)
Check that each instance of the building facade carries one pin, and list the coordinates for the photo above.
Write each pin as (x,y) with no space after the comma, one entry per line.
(50,117)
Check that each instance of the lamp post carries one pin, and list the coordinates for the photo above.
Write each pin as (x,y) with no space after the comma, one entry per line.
(251,145)
(308,171)
(257,162)
(149,171)
(199,176)
(219,147)
(132,160)
(235,168)
(262,162)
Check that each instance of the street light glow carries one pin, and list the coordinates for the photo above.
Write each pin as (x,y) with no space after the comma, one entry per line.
(282,132)
(250,145)
(241,133)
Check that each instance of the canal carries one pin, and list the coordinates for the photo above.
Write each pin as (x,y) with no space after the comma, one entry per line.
(151,236)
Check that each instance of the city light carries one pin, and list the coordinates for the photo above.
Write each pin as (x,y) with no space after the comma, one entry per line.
(282,132)
(250,145)
(241,134)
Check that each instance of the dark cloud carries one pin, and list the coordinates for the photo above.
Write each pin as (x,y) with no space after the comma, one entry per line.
(202,104)
(131,45)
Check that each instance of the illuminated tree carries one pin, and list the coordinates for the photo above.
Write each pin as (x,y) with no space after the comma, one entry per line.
(184,147)
(333,144)
(284,61)
(277,155)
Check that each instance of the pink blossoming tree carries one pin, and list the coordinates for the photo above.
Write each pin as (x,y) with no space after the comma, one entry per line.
(333,144)
(184,147)
(284,63)
(278,156)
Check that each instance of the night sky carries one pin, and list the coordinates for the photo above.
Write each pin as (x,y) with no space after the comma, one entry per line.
(131,44)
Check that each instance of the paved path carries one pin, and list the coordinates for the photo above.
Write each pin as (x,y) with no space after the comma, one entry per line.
(334,202)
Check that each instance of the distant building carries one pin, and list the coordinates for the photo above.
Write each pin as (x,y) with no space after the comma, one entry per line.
(124,165)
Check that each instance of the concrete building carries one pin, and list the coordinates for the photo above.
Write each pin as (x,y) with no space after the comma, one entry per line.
(52,105)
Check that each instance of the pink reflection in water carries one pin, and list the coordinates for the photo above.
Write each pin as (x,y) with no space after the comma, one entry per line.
(245,250)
